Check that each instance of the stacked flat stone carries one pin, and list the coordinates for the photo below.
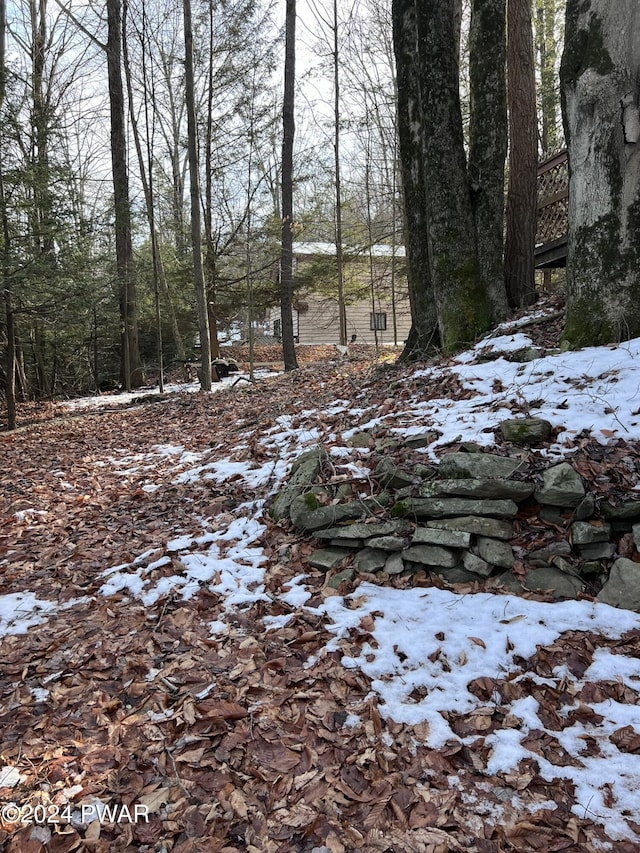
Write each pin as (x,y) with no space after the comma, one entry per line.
(456,521)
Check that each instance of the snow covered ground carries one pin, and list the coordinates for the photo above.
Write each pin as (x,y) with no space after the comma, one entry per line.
(127,398)
(424,647)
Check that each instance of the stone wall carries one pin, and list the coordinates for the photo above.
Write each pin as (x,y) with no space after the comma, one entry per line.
(456,521)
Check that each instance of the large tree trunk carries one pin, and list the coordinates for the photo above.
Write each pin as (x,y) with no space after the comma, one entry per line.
(342,311)
(9,313)
(600,73)
(286,255)
(519,253)
(488,144)
(41,211)
(10,355)
(424,336)
(131,366)
(462,304)
(194,180)
(210,253)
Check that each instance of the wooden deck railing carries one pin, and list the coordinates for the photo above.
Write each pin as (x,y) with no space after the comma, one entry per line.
(553,209)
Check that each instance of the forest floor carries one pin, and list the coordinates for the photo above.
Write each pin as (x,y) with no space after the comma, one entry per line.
(175,677)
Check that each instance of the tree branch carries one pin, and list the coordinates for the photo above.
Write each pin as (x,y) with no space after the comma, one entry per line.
(80,25)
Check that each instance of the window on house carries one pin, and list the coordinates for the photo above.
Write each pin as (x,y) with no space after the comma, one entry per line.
(277,329)
(378,322)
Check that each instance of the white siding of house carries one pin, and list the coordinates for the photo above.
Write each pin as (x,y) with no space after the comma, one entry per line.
(317,323)
(315,317)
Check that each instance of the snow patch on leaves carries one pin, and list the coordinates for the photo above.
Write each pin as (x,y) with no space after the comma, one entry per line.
(229,566)
(423,650)
(20,611)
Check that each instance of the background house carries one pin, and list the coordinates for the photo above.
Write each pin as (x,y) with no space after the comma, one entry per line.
(375,290)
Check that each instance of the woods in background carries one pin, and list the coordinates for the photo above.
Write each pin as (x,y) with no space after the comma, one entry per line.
(404,114)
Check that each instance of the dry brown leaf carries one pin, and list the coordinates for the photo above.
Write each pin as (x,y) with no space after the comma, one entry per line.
(154,800)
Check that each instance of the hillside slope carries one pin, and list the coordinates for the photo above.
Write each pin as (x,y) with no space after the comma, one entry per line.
(167,646)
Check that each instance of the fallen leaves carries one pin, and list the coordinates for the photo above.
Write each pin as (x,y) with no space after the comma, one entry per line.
(249,738)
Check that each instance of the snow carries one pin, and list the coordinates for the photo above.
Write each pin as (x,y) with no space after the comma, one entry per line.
(10,777)
(426,646)
(441,641)
(606,665)
(20,611)
(596,389)
(230,566)
(437,642)
(128,398)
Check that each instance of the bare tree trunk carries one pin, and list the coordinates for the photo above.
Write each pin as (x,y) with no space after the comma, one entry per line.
(342,314)
(424,336)
(601,105)
(10,355)
(286,255)
(194,180)
(10,319)
(22,383)
(488,144)
(41,210)
(131,366)
(462,304)
(210,250)
(519,256)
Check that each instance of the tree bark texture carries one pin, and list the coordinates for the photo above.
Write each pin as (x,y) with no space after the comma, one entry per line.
(424,336)
(210,266)
(194,187)
(10,353)
(9,312)
(41,212)
(342,311)
(462,304)
(522,202)
(131,367)
(288,133)
(600,77)
(488,144)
